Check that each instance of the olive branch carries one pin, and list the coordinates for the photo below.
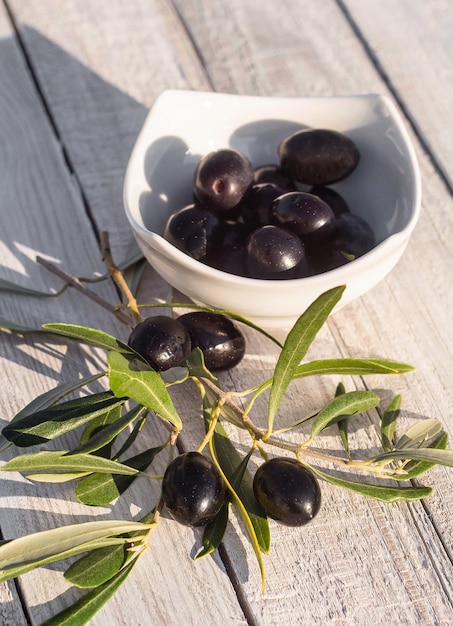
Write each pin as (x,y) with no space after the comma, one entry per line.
(105,552)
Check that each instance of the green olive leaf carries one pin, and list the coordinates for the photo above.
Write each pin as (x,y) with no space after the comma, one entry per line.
(107,433)
(48,424)
(243,513)
(17,570)
(344,405)
(86,607)
(49,543)
(430,455)
(129,376)
(296,345)
(49,398)
(235,469)
(343,423)
(102,489)
(412,469)
(377,492)
(90,336)
(388,423)
(418,433)
(214,532)
(57,461)
(96,567)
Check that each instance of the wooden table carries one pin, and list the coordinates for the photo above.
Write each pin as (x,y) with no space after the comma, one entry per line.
(76,82)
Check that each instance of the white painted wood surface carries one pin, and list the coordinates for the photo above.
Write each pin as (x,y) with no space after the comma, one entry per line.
(76,81)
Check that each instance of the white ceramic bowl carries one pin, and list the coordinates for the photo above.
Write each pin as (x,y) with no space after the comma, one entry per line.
(182,126)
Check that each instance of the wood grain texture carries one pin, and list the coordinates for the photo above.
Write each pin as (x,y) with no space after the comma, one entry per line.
(100,66)
(415,50)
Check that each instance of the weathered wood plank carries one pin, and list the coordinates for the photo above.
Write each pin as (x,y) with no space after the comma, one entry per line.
(43,212)
(361,562)
(412,43)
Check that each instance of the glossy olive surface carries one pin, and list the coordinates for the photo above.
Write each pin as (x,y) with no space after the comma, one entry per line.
(162,341)
(275,253)
(304,214)
(222,178)
(220,340)
(272,173)
(288,491)
(256,206)
(194,230)
(318,156)
(193,490)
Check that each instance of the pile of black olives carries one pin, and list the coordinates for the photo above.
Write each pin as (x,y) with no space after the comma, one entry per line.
(193,490)
(165,342)
(277,221)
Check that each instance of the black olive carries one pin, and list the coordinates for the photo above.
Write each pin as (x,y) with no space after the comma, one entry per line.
(222,179)
(220,340)
(194,230)
(162,341)
(318,157)
(193,490)
(304,214)
(288,491)
(275,253)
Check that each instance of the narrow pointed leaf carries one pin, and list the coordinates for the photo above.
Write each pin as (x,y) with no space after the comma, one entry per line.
(296,345)
(346,404)
(431,455)
(50,423)
(417,434)
(57,461)
(15,571)
(46,543)
(102,489)
(107,433)
(388,423)
(84,609)
(230,461)
(132,378)
(378,492)
(343,423)
(62,477)
(90,336)
(214,532)
(352,367)
(243,515)
(96,567)
(94,425)
(416,468)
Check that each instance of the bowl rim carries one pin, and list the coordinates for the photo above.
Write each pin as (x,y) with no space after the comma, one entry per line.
(157,243)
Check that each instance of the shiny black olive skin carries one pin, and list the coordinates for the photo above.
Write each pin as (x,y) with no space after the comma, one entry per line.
(318,157)
(273,174)
(220,340)
(275,253)
(193,490)
(162,341)
(288,491)
(304,214)
(194,230)
(333,198)
(229,255)
(257,204)
(222,179)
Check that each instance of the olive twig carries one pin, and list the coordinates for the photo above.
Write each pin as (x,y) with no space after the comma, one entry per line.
(73,281)
(118,277)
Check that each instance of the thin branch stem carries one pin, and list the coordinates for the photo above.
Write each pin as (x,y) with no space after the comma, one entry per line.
(73,281)
(118,277)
